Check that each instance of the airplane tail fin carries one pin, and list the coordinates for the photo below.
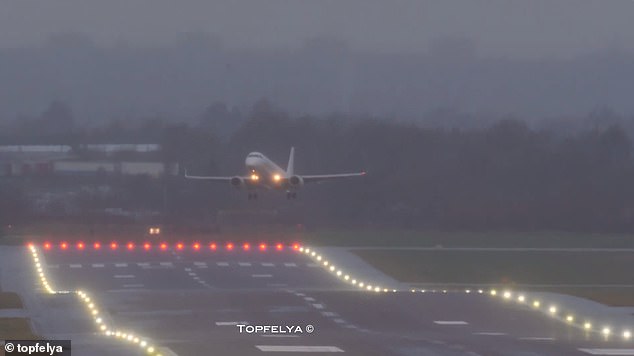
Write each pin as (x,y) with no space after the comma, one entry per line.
(291,163)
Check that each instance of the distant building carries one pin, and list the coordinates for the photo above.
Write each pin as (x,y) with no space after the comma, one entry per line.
(18,160)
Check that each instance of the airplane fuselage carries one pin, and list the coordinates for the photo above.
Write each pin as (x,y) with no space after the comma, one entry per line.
(264,172)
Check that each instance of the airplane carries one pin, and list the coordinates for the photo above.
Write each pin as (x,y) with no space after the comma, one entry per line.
(264,173)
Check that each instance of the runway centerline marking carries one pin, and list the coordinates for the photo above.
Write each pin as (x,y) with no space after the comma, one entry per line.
(261,275)
(133,285)
(244,264)
(268,264)
(75,266)
(222,264)
(309,299)
(166,264)
(121,265)
(299,348)
(613,352)
(450,322)
(98,265)
(290,264)
(231,323)
(123,276)
(486,333)
(318,306)
(536,338)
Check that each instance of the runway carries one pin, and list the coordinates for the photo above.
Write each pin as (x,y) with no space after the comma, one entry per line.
(191,302)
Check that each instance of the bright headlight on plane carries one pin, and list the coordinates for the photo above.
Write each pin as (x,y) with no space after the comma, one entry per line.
(277,177)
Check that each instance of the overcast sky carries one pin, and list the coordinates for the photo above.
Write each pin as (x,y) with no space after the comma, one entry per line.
(507,27)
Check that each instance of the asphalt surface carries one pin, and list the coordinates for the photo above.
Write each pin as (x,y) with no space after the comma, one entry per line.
(189,302)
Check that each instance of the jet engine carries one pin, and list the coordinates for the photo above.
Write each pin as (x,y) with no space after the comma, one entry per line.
(238,182)
(296,181)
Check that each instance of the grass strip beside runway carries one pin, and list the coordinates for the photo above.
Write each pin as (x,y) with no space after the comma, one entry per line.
(602,276)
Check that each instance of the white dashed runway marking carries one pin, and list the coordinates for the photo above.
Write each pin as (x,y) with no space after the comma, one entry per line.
(98,265)
(75,266)
(124,276)
(231,323)
(613,352)
(268,264)
(121,265)
(490,333)
(290,264)
(450,322)
(244,264)
(284,348)
(222,264)
(261,275)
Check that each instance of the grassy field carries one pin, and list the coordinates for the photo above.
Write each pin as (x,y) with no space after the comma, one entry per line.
(9,300)
(16,329)
(603,276)
(405,238)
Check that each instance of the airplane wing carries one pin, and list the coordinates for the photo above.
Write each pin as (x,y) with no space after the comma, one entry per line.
(324,177)
(218,179)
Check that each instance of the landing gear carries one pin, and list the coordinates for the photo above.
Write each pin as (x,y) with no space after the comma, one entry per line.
(253,196)
(291,195)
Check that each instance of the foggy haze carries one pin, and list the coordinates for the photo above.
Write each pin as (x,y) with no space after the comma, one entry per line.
(533,28)
(405,60)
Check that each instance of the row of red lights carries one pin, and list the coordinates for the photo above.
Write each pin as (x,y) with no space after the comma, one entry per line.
(196,246)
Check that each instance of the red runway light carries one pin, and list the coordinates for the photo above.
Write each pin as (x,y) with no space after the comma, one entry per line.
(63,245)
(130,246)
(47,245)
(246,247)
(114,245)
(295,246)
(163,246)
(80,245)
(262,247)
(212,246)
(96,245)
(146,246)
(30,245)
(196,246)
(179,246)
(230,246)
(279,247)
